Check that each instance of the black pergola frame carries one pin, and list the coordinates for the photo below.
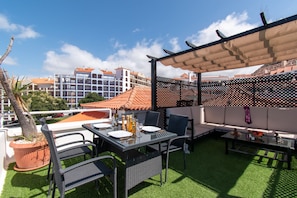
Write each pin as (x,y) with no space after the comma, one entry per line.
(154,60)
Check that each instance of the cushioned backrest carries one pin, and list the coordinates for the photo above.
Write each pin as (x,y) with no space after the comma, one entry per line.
(178,124)
(213,114)
(151,118)
(196,110)
(235,116)
(282,119)
(185,111)
(259,116)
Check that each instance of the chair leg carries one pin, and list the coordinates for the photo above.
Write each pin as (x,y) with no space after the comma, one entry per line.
(166,169)
(50,185)
(184,159)
(161,179)
(126,192)
(54,190)
(115,187)
(49,169)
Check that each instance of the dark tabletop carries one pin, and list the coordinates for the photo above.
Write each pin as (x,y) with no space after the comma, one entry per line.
(129,143)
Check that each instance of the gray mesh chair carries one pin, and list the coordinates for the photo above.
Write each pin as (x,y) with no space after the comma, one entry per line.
(71,149)
(78,174)
(177,124)
(151,118)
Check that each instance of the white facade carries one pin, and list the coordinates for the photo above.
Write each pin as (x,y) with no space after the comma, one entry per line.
(74,87)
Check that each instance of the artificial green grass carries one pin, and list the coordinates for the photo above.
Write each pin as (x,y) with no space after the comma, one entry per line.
(209,173)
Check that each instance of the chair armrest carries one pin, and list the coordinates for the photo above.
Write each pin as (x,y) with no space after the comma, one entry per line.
(177,138)
(76,146)
(100,158)
(87,142)
(70,134)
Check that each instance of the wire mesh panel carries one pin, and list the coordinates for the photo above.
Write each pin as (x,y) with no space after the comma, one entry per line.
(266,91)
(171,92)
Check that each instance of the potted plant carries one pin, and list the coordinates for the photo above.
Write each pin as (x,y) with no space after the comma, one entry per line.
(32,146)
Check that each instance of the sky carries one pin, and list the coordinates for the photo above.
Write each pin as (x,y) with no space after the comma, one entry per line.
(57,36)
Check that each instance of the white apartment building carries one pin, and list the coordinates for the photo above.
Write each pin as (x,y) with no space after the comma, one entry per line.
(74,87)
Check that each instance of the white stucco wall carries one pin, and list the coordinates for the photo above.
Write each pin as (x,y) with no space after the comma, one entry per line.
(2,158)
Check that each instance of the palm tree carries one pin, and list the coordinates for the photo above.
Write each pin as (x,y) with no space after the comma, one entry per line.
(27,123)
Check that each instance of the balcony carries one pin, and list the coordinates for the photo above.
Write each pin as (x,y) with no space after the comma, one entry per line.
(209,173)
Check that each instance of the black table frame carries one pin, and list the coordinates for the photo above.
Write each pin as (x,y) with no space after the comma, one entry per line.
(268,143)
(138,167)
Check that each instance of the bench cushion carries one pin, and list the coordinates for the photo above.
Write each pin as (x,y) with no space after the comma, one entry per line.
(235,116)
(196,110)
(186,111)
(200,130)
(259,118)
(214,114)
(282,119)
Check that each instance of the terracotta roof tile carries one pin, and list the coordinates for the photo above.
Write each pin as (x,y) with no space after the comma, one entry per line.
(84,70)
(106,72)
(89,115)
(42,81)
(137,98)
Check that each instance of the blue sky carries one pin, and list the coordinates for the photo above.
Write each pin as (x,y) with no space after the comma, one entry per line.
(59,35)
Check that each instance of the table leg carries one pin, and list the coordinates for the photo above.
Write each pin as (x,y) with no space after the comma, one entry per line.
(226,147)
(289,156)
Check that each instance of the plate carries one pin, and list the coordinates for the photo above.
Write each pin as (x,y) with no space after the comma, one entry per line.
(151,128)
(102,125)
(120,134)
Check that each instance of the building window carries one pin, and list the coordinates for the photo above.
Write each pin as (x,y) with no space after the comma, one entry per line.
(88,87)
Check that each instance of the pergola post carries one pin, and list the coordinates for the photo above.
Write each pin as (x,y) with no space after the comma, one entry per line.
(199,95)
(153,62)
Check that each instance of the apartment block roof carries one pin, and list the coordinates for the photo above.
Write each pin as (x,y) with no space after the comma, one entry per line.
(42,81)
(107,72)
(84,69)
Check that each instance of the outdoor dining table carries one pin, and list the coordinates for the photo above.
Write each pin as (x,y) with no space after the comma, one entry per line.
(139,166)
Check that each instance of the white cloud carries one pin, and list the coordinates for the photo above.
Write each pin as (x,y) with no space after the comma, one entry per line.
(232,24)
(136,30)
(27,32)
(5,25)
(10,61)
(19,31)
(117,44)
(135,58)
(174,44)
(68,59)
